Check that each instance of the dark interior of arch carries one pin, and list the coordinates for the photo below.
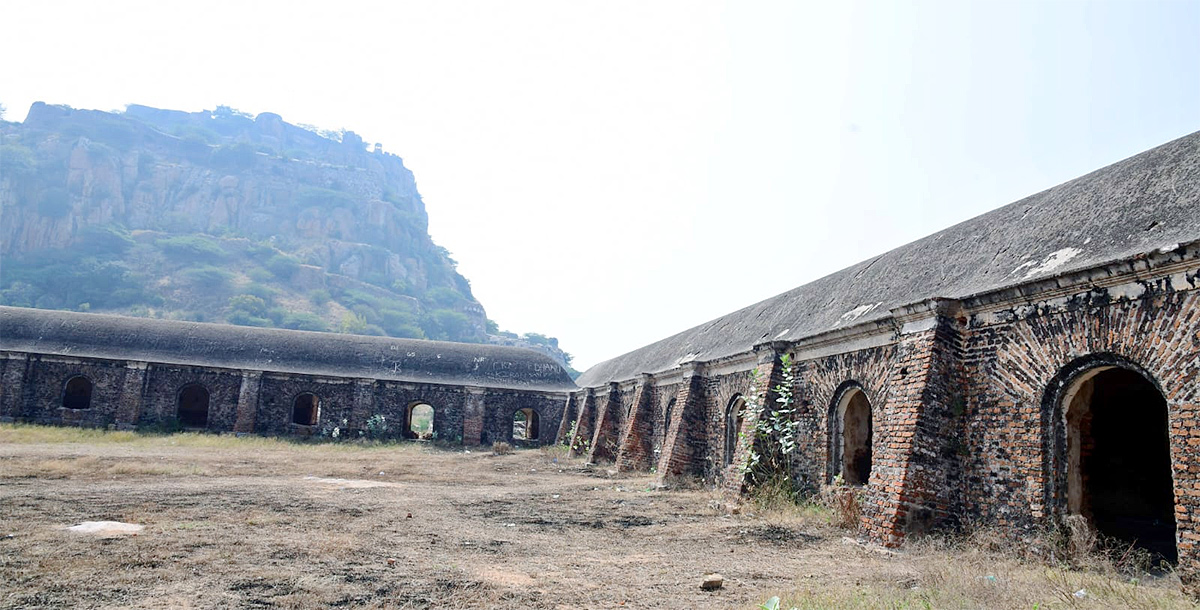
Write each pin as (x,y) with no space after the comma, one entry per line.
(304,410)
(857,436)
(78,393)
(1126,463)
(733,426)
(193,407)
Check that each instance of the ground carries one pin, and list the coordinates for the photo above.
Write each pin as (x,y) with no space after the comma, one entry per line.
(264,523)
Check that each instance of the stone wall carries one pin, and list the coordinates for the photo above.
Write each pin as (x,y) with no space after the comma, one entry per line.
(127,394)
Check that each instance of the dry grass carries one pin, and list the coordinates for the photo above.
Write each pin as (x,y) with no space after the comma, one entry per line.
(959,575)
(269,523)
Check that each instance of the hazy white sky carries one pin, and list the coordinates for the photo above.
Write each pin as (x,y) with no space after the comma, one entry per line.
(612,172)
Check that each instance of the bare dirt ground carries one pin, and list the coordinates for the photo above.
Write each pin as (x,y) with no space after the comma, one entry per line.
(261,523)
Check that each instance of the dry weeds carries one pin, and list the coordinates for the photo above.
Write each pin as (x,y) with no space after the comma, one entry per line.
(268,523)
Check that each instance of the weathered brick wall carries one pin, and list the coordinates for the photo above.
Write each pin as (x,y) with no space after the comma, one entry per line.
(449,406)
(637,435)
(720,392)
(820,384)
(277,395)
(164,382)
(663,404)
(1012,462)
(965,398)
(685,441)
(570,414)
(613,408)
(14,368)
(500,407)
(125,394)
(39,396)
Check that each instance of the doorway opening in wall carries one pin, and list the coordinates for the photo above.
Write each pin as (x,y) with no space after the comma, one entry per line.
(306,409)
(851,437)
(1119,459)
(420,421)
(77,393)
(525,425)
(735,414)
(192,408)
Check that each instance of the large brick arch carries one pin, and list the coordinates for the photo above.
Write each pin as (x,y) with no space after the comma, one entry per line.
(819,384)
(832,411)
(1053,411)
(1013,430)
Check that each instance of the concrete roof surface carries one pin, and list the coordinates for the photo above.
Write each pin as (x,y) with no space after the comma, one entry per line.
(1145,203)
(66,333)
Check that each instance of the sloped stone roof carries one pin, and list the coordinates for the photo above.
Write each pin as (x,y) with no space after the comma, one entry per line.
(67,333)
(1144,203)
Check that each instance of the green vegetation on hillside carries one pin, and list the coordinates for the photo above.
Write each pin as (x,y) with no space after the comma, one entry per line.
(219,216)
(209,279)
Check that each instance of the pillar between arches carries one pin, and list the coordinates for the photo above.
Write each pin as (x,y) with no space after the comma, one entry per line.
(636,452)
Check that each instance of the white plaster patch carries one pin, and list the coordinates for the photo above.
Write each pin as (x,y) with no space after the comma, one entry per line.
(785,331)
(918,326)
(856,313)
(106,528)
(1127,292)
(1056,259)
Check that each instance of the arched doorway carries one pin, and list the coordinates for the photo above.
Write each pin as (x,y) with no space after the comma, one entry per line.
(525,425)
(735,414)
(420,421)
(1118,457)
(192,407)
(306,409)
(851,437)
(77,393)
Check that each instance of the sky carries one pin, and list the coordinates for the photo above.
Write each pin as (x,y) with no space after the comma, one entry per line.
(613,172)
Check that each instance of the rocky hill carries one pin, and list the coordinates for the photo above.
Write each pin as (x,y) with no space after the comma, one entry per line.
(222,217)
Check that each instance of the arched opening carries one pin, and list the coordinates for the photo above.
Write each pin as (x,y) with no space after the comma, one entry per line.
(77,393)
(193,406)
(420,421)
(306,409)
(1119,458)
(735,413)
(660,431)
(525,425)
(851,437)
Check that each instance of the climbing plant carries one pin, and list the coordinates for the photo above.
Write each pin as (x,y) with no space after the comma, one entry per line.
(774,436)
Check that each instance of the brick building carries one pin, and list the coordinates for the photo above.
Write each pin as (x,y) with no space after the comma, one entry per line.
(71,368)
(1037,361)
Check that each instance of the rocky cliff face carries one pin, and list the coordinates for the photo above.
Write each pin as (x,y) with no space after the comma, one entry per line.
(349,217)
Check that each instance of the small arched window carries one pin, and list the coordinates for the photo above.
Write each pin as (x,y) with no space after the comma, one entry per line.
(77,393)
(306,409)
